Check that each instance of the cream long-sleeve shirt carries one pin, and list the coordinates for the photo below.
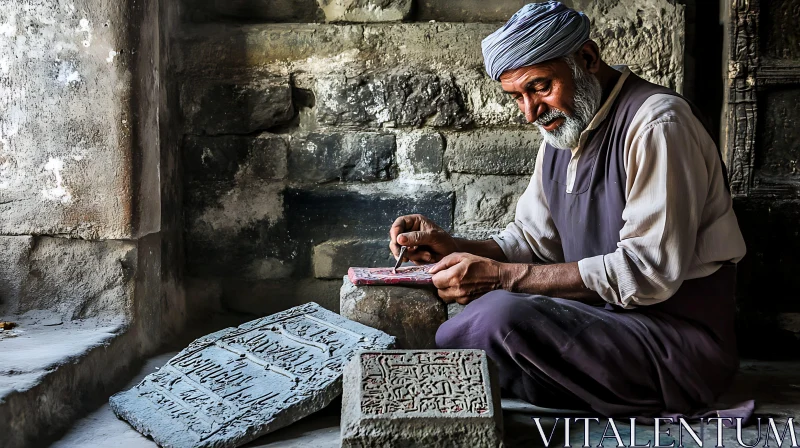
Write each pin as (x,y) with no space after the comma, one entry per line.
(679,220)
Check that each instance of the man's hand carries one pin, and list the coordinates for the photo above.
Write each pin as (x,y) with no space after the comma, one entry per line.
(426,241)
(462,277)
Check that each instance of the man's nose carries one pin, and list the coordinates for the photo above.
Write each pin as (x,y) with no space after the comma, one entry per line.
(530,108)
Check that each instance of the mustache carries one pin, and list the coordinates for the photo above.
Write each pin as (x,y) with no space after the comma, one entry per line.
(549,116)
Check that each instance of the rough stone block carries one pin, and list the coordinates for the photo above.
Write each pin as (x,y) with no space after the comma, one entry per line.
(486,202)
(431,398)
(410,314)
(74,278)
(467,10)
(237,229)
(391,99)
(331,259)
(647,35)
(454,309)
(264,297)
(233,157)
(420,152)
(327,213)
(493,151)
(237,384)
(361,156)
(296,11)
(487,103)
(365,10)
(229,107)
(68,126)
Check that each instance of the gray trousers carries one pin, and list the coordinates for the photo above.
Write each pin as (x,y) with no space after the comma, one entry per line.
(673,358)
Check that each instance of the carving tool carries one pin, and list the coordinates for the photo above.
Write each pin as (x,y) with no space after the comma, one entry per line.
(399,259)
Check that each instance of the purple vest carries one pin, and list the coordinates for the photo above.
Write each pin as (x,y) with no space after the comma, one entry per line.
(589,219)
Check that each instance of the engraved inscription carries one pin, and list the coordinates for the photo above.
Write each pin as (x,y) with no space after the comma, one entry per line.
(424,382)
(233,386)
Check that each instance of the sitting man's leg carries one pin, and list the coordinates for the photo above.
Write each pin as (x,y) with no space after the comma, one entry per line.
(561,353)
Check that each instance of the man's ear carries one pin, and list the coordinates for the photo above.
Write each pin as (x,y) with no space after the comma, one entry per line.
(589,56)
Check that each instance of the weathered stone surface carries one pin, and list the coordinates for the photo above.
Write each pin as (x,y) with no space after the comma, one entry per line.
(779,145)
(264,297)
(331,259)
(467,10)
(365,10)
(411,314)
(296,11)
(75,279)
(431,398)
(420,152)
(358,156)
(237,384)
(486,203)
(236,107)
(645,34)
(493,151)
(67,120)
(397,99)
(233,157)
(328,213)
(237,229)
(453,309)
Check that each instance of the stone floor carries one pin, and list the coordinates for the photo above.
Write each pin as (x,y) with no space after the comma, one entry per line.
(776,387)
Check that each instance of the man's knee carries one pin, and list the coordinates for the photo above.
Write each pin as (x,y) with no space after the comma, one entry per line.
(489,316)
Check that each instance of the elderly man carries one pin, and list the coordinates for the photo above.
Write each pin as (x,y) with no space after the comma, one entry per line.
(613,289)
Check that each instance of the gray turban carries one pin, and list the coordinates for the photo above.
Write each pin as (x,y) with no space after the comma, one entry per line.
(536,33)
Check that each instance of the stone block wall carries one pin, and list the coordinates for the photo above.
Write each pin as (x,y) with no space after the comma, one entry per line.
(89,218)
(309,125)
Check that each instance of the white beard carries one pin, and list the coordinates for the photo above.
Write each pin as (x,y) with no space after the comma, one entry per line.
(588,94)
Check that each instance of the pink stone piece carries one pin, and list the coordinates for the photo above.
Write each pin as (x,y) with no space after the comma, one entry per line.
(406,275)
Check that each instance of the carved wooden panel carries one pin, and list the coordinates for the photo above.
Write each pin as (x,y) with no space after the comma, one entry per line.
(762,90)
(742,108)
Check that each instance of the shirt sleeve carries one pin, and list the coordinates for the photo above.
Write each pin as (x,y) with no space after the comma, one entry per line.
(532,236)
(666,189)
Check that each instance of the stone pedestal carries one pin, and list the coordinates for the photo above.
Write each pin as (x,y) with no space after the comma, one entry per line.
(410,314)
(421,398)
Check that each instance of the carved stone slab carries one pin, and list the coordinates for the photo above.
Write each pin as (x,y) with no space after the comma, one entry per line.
(421,398)
(235,385)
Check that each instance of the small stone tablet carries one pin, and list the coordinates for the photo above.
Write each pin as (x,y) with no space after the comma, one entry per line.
(421,398)
(238,384)
(405,275)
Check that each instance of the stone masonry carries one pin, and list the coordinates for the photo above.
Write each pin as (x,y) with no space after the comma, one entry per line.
(421,398)
(309,125)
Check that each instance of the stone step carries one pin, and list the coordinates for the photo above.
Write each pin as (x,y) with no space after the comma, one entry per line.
(51,371)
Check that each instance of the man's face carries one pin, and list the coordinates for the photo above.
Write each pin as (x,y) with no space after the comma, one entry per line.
(539,88)
(558,96)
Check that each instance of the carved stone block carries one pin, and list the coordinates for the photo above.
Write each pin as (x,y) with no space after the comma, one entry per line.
(411,314)
(237,384)
(421,398)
